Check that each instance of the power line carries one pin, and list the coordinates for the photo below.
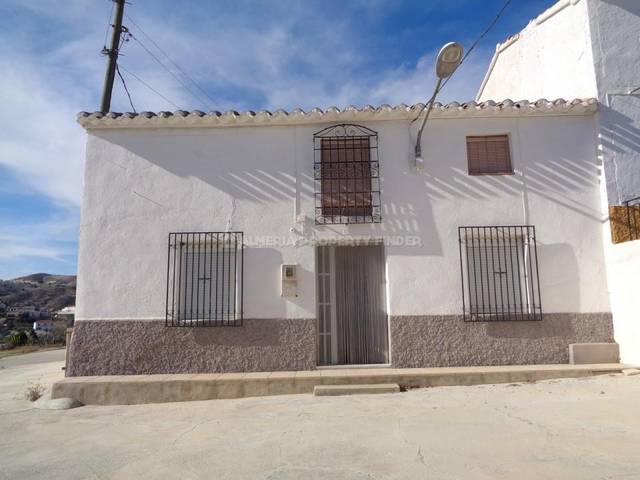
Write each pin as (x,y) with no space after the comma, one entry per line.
(473,45)
(106,33)
(124,84)
(170,60)
(150,87)
(178,79)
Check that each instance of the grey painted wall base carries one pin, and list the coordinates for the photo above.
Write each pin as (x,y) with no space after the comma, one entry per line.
(447,341)
(130,347)
(135,347)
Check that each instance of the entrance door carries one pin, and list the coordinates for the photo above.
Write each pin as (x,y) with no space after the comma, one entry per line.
(352,321)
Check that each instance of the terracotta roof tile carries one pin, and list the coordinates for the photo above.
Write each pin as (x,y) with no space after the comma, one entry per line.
(197,118)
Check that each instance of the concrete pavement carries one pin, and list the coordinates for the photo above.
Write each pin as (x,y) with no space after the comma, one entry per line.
(556,429)
(53,355)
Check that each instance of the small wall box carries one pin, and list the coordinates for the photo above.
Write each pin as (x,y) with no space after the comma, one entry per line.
(289,272)
(289,281)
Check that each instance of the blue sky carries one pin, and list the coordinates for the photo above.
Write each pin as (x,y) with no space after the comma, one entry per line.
(245,55)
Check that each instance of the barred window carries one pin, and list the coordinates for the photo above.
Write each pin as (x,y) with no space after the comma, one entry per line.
(204,279)
(347,188)
(500,279)
(489,155)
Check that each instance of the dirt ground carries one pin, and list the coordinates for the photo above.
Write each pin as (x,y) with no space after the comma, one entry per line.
(558,429)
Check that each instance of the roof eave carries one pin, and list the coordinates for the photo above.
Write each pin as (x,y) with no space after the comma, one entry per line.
(182,119)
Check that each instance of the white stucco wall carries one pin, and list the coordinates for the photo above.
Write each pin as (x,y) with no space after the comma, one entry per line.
(551,58)
(589,48)
(142,184)
(615,27)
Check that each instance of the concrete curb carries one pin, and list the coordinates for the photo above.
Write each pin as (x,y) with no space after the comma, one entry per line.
(337,390)
(140,389)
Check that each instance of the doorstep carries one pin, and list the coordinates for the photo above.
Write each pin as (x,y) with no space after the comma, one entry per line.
(139,389)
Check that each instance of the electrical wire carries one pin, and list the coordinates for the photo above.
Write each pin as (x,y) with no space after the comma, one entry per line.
(106,34)
(124,84)
(150,87)
(177,67)
(178,79)
(473,45)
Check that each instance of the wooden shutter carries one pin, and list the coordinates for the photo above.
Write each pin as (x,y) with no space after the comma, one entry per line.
(489,155)
(346,176)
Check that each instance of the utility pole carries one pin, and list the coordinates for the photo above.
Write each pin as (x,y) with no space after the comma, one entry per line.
(112,53)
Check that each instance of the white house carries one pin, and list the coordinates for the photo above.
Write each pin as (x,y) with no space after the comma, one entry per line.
(588,48)
(43,326)
(291,240)
(67,314)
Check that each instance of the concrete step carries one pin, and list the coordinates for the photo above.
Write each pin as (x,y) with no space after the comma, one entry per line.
(137,389)
(368,389)
(590,353)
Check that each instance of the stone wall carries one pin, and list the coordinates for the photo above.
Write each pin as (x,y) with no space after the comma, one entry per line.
(134,347)
(148,347)
(448,341)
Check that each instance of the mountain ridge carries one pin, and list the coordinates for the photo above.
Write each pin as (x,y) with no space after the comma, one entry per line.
(42,290)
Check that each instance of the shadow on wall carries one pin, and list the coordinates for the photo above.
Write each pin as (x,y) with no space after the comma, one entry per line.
(620,139)
(632,6)
(551,178)
(559,278)
(240,176)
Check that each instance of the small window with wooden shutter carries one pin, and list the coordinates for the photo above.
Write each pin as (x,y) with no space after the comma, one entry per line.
(489,155)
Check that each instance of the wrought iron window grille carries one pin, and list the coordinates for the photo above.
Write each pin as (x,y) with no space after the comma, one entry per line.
(204,279)
(346,175)
(499,273)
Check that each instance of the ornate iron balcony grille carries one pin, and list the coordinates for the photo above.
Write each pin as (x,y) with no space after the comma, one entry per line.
(499,273)
(633,217)
(346,175)
(204,279)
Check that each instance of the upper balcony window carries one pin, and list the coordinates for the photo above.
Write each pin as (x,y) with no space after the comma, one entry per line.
(346,174)
(489,155)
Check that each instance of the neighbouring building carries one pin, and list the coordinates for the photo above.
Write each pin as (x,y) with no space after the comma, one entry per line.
(44,326)
(67,314)
(589,48)
(265,241)
(29,310)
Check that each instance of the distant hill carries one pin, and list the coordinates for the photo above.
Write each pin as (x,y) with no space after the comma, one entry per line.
(41,290)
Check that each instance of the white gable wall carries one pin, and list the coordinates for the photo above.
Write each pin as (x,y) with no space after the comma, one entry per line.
(551,58)
(615,27)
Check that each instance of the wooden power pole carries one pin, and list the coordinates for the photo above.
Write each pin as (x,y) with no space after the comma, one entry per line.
(112,53)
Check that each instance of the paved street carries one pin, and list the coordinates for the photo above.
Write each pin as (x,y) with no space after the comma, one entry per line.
(558,429)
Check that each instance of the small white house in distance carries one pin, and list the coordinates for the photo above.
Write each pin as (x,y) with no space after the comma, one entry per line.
(66,314)
(43,326)
(236,242)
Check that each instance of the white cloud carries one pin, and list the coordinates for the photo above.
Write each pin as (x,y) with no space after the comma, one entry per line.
(38,246)
(38,141)
(291,55)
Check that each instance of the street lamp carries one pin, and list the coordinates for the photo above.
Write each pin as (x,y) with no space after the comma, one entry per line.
(449,59)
